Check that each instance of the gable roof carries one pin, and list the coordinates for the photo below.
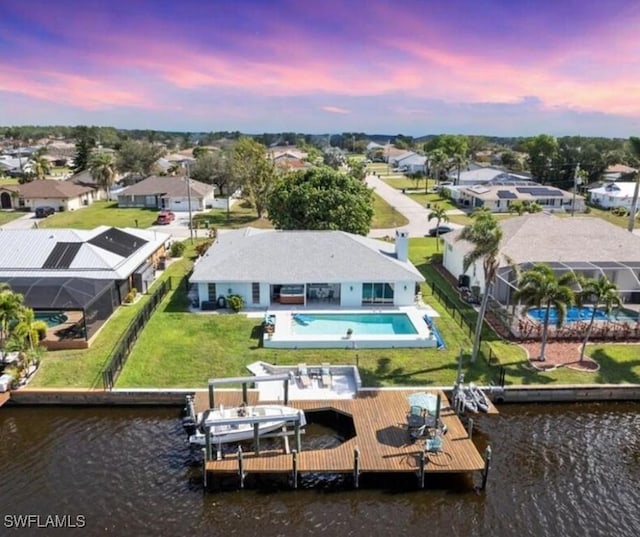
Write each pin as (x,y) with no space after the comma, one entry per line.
(51,189)
(100,253)
(544,238)
(156,185)
(301,256)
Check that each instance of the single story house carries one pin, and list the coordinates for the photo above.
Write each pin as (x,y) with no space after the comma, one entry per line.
(483,175)
(77,276)
(584,245)
(412,163)
(619,172)
(84,178)
(169,193)
(497,197)
(613,195)
(304,268)
(61,195)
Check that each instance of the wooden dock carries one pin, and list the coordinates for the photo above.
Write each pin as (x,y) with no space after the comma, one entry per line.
(4,397)
(381,443)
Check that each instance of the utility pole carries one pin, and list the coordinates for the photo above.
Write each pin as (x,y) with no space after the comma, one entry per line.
(575,188)
(188,179)
(634,204)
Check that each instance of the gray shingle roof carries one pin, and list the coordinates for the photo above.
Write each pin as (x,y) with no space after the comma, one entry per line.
(540,238)
(167,186)
(301,256)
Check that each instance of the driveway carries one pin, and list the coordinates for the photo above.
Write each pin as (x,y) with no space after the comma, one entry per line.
(26,221)
(179,228)
(417,215)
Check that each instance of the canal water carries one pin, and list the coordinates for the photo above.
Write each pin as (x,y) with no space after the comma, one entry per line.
(569,470)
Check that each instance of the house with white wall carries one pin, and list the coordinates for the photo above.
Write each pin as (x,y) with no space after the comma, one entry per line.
(613,195)
(306,268)
(588,246)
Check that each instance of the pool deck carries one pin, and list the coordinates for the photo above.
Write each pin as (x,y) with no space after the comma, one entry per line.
(284,338)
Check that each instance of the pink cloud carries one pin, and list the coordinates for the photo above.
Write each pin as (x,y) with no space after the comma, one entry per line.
(335,110)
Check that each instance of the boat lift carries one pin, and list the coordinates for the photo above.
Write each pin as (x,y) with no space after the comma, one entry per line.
(245,381)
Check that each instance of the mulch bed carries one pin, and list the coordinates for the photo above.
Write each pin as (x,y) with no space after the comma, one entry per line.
(559,355)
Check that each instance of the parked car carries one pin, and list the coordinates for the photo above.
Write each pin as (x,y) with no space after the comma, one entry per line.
(440,230)
(44,211)
(165,217)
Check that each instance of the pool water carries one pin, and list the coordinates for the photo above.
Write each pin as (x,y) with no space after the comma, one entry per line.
(325,324)
(52,318)
(575,314)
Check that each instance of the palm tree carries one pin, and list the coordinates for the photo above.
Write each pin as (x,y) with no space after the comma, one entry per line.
(437,159)
(635,149)
(600,292)
(459,160)
(28,330)
(440,214)
(102,167)
(40,166)
(485,235)
(10,305)
(539,287)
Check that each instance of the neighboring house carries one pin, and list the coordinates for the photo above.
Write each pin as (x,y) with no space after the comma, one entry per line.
(85,179)
(499,197)
(413,164)
(390,152)
(613,195)
(481,175)
(60,195)
(14,166)
(170,193)
(584,245)
(618,172)
(321,267)
(83,274)
(396,158)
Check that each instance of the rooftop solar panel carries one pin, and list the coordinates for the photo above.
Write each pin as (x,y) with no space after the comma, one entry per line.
(118,242)
(62,255)
(506,195)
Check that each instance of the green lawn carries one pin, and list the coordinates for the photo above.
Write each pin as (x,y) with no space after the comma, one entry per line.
(385,216)
(8,216)
(182,349)
(5,180)
(101,213)
(241,215)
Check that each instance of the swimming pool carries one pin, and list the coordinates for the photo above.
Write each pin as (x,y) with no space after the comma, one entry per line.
(325,324)
(350,329)
(583,314)
(52,318)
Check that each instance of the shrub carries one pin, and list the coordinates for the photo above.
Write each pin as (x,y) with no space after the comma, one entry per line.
(203,247)
(177,249)
(235,302)
(130,296)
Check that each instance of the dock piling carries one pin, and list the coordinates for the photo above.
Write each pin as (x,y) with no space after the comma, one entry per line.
(487,465)
(470,428)
(256,438)
(204,469)
(241,466)
(421,466)
(356,467)
(294,474)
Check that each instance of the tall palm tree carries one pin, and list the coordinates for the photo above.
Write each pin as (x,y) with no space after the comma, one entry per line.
(539,287)
(485,235)
(634,142)
(28,330)
(437,159)
(102,167)
(600,292)
(440,214)
(459,160)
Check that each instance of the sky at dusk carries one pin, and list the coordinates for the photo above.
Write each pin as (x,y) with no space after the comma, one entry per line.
(492,67)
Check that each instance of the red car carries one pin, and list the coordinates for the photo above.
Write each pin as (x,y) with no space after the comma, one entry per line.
(165,217)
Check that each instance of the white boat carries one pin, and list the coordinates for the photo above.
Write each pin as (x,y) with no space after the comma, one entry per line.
(236,424)
(463,397)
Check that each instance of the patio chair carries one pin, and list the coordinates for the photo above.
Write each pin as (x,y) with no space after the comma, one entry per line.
(326,375)
(303,375)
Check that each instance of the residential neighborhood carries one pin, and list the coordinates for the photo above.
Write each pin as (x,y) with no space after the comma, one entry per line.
(320,268)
